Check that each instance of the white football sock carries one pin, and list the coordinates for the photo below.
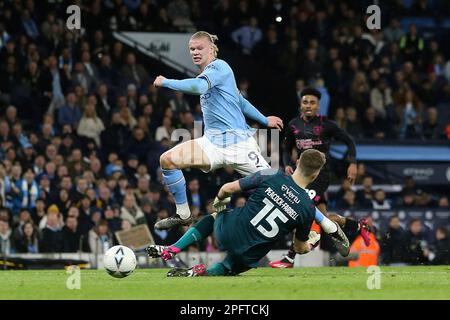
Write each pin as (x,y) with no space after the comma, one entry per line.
(328,226)
(183,210)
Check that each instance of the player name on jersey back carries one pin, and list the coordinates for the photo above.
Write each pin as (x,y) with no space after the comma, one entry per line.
(281,203)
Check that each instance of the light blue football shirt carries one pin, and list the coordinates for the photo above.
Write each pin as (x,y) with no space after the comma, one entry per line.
(223,118)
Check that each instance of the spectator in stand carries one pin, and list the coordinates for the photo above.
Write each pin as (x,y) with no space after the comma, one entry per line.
(408,200)
(380,202)
(90,69)
(70,113)
(122,20)
(14,190)
(142,193)
(52,236)
(179,13)
(29,25)
(164,131)
(139,145)
(107,73)
(71,234)
(132,98)
(178,104)
(412,45)
(130,211)
(195,196)
(417,247)
(365,196)
(359,92)
(100,238)
(90,125)
(24,217)
(381,98)
(432,129)
(441,252)
(5,237)
(247,36)
(345,186)
(374,126)
(38,211)
(127,119)
(29,190)
(393,246)
(28,239)
(339,117)
(394,32)
(133,72)
(410,115)
(348,201)
(112,216)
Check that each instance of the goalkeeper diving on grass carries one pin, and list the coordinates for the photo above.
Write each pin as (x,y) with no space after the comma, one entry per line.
(278,205)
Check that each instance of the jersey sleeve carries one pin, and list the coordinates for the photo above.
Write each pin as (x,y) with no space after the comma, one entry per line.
(342,135)
(256,179)
(250,111)
(191,86)
(215,73)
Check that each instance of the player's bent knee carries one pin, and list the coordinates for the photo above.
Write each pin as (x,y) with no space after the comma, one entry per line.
(165,160)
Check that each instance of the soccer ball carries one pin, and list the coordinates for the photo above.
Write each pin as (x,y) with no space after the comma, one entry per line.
(119,261)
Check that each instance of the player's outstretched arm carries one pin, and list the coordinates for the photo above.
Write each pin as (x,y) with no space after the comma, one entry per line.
(251,112)
(224,195)
(228,189)
(250,182)
(195,86)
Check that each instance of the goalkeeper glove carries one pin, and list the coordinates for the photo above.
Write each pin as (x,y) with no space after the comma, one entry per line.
(313,239)
(221,205)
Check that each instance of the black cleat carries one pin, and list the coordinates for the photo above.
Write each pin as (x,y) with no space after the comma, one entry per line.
(196,271)
(163,252)
(340,241)
(171,222)
(155,251)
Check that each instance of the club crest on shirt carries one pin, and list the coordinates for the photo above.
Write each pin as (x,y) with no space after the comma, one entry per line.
(317,130)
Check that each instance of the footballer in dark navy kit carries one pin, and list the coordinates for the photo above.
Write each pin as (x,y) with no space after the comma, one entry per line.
(278,206)
(311,130)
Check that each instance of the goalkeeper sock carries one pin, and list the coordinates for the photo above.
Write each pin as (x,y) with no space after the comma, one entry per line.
(201,230)
(291,255)
(326,224)
(217,270)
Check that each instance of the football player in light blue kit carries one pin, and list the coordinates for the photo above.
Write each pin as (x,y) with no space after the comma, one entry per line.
(228,140)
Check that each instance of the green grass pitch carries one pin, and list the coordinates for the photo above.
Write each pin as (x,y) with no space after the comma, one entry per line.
(262,283)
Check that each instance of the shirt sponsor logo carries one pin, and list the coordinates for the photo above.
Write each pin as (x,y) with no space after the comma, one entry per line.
(308,143)
(289,194)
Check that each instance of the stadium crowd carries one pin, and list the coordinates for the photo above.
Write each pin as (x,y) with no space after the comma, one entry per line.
(82,128)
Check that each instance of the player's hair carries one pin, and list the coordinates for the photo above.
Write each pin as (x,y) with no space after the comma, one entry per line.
(310,91)
(211,37)
(311,161)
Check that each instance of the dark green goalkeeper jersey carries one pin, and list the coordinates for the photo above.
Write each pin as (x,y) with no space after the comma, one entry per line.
(276,207)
